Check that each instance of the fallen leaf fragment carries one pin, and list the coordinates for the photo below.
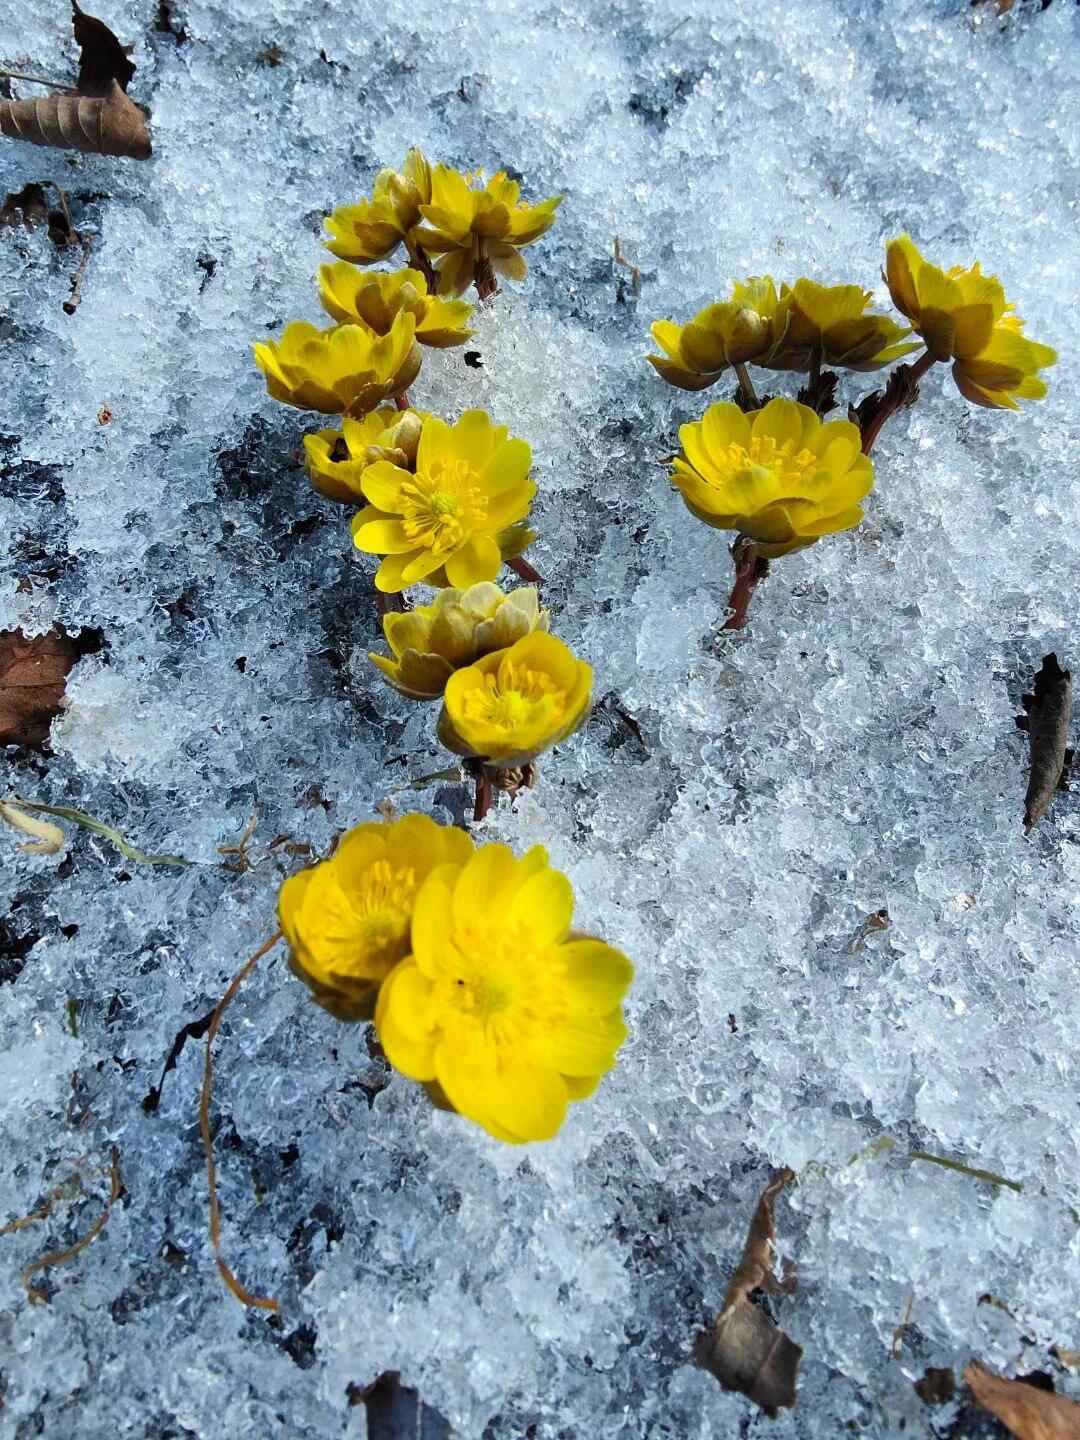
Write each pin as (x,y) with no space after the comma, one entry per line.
(33,674)
(936,1387)
(30,207)
(875,924)
(27,206)
(1028,1411)
(745,1349)
(394,1409)
(1047,723)
(97,116)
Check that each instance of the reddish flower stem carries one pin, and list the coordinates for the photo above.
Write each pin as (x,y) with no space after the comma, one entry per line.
(524,570)
(896,397)
(750,569)
(484,794)
(402,400)
(750,399)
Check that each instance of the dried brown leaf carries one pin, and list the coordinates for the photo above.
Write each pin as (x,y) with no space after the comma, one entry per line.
(102,58)
(1047,723)
(745,1349)
(1028,1411)
(98,125)
(936,1387)
(33,674)
(27,206)
(98,118)
(30,207)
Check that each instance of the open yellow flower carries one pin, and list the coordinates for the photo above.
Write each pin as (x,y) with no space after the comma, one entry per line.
(501,1010)
(514,704)
(466,221)
(779,476)
(336,459)
(963,316)
(377,300)
(345,368)
(347,919)
(374,228)
(470,487)
(430,642)
(833,322)
(731,332)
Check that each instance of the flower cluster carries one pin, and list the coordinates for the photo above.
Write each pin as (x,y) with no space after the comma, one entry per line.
(441,503)
(480,989)
(778,476)
(793,328)
(477,228)
(510,690)
(464,956)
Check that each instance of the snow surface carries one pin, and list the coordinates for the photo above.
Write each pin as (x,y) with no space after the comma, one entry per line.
(852,750)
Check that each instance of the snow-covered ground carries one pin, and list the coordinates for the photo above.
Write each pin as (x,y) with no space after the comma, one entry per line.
(853,750)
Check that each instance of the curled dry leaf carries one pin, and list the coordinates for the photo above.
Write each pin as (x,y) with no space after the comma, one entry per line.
(1047,723)
(745,1350)
(97,117)
(1028,1411)
(33,674)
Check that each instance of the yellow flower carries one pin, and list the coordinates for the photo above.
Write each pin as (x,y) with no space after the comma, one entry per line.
(833,321)
(430,642)
(345,368)
(336,459)
(471,485)
(731,332)
(374,228)
(514,704)
(501,1010)
(376,301)
(467,220)
(347,919)
(964,317)
(779,476)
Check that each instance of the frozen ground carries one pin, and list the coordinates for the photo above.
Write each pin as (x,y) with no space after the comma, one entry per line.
(853,750)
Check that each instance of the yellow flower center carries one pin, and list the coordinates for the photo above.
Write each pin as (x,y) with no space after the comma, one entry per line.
(513,698)
(781,464)
(505,997)
(383,904)
(443,505)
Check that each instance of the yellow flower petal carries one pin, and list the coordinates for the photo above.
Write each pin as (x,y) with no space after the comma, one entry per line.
(487,881)
(432,919)
(478,559)
(402,1019)
(545,904)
